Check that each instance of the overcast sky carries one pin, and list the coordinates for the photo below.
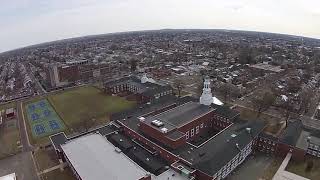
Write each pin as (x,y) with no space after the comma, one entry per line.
(28,22)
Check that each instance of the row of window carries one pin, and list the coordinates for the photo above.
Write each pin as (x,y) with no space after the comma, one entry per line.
(314,153)
(220,118)
(314,146)
(238,159)
(194,131)
(267,141)
(219,123)
(123,87)
(163,94)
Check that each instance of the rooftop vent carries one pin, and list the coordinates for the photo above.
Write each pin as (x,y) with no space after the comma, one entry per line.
(238,147)
(308,139)
(157,123)
(164,130)
(141,119)
(117,150)
(233,135)
(248,130)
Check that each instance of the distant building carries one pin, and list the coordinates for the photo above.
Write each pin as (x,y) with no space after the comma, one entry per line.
(296,139)
(10,113)
(317,114)
(143,90)
(266,67)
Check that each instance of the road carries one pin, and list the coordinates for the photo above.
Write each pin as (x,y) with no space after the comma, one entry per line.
(37,83)
(26,146)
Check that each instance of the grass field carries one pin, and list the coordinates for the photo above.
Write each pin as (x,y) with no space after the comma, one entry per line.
(86,103)
(272,169)
(273,125)
(57,175)
(43,119)
(9,139)
(299,168)
(8,105)
(45,159)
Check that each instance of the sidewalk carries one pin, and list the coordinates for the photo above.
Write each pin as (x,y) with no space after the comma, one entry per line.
(282,174)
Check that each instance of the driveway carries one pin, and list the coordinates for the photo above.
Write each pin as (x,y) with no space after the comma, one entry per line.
(21,164)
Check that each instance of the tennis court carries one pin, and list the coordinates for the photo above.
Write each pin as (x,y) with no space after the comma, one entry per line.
(43,119)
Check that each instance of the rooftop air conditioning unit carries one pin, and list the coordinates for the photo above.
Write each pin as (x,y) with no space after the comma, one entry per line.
(157,123)
(164,130)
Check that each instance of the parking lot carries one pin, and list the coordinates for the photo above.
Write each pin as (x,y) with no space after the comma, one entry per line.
(21,164)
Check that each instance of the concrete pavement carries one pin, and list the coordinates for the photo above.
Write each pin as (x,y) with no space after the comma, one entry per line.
(21,164)
(26,146)
(282,174)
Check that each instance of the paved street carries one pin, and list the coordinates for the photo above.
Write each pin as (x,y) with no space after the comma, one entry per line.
(22,164)
(22,127)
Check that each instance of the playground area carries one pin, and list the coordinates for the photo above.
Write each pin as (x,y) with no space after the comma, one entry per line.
(43,119)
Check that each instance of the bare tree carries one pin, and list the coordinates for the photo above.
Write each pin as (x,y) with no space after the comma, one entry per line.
(309,166)
(199,89)
(305,99)
(287,108)
(264,102)
(227,90)
(179,85)
(294,85)
(133,65)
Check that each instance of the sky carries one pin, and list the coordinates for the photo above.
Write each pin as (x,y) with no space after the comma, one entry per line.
(29,22)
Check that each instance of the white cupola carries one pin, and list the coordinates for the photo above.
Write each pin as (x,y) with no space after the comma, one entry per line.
(206,97)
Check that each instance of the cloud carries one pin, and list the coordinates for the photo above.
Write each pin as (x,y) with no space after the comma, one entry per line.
(36,21)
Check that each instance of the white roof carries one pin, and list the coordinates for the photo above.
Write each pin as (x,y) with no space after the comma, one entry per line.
(9,177)
(217,101)
(205,63)
(94,157)
(169,175)
(284,97)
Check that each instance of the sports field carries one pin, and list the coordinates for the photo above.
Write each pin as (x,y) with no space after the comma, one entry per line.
(87,103)
(43,119)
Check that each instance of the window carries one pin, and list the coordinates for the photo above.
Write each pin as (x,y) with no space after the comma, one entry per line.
(192,132)
(197,130)
(187,135)
(201,126)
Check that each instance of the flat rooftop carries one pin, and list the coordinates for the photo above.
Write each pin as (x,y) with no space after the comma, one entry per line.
(170,175)
(9,177)
(267,67)
(219,150)
(302,140)
(181,115)
(94,157)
